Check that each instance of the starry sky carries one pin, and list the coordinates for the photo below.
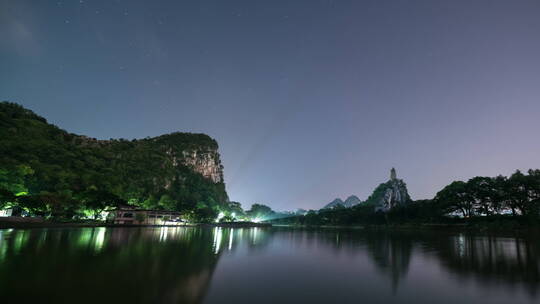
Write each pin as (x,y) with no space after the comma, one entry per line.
(309,99)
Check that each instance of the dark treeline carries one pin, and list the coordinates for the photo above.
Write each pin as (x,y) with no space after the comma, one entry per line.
(518,194)
(491,199)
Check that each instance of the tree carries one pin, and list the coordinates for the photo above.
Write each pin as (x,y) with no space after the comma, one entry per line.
(13,178)
(259,211)
(517,193)
(456,197)
(483,193)
(6,197)
(204,214)
(97,201)
(32,204)
(500,195)
(533,186)
(167,203)
(232,210)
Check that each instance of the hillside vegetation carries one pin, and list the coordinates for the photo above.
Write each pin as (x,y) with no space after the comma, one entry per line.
(52,172)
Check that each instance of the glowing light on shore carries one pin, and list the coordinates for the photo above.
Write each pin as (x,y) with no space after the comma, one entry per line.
(219,217)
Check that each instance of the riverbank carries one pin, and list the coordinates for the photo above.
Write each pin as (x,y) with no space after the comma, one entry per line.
(473,226)
(28,222)
(385,221)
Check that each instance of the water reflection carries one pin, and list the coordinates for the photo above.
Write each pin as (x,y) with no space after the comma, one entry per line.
(176,265)
(391,255)
(92,265)
(493,260)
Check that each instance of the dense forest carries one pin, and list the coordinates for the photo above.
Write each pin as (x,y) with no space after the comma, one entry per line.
(481,199)
(49,172)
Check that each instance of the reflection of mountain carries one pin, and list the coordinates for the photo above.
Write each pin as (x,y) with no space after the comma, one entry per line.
(112,265)
(120,265)
(391,255)
(176,265)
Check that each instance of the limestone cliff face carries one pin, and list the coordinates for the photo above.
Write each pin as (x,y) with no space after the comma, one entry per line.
(207,163)
(202,158)
(395,194)
(390,194)
(198,152)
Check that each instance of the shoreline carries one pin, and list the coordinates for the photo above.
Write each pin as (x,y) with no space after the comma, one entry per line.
(443,228)
(23,223)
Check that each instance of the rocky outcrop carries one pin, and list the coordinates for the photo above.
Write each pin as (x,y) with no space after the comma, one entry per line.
(385,197)
(351,201)
(333,204)
(391,194)
(207,163)
(203,159)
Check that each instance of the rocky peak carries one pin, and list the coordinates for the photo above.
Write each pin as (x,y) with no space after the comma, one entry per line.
(207,163)
(390,194)
(335,203)
(198,152)
(351,201)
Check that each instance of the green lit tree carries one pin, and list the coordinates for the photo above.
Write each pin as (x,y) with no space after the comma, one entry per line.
(260,212)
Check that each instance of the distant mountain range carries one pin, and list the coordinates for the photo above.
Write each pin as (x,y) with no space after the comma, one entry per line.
(348,203)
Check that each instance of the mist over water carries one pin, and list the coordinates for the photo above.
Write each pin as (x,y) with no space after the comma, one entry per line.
(265,265)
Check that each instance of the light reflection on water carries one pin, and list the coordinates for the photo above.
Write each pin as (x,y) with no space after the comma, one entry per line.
(194,265)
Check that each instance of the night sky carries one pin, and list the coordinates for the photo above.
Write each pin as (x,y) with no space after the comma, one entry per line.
(309,100)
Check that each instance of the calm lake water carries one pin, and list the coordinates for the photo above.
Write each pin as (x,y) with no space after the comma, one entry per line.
(265,265)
